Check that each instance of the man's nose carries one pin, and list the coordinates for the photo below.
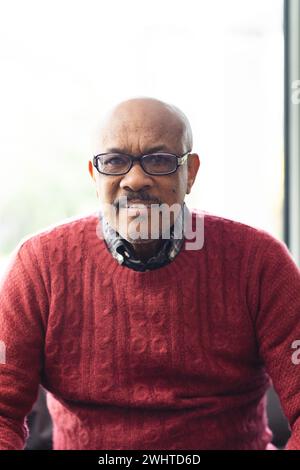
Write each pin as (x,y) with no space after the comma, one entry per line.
(136,179)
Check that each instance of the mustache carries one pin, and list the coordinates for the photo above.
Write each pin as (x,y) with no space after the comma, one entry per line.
(121,202)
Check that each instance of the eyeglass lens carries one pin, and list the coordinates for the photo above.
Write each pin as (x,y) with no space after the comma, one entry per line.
(156,163)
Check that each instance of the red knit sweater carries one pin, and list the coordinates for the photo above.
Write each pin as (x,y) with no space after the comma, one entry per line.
(175,358)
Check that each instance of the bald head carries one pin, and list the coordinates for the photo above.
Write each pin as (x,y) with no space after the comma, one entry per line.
(138,123)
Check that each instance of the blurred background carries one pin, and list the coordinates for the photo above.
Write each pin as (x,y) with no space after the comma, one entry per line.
(227,64)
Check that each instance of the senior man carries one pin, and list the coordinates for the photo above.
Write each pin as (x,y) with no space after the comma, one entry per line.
(149,342)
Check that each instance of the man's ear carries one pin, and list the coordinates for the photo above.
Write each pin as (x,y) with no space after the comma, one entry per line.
(193,165)
(91,170)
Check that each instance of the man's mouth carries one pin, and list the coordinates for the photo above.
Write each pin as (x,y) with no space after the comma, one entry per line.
(138,208)
(138,204)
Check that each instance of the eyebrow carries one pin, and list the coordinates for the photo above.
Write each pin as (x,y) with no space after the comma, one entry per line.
(157,148)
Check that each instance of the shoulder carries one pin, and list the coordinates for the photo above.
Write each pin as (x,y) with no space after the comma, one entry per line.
(69,228)
(226,232)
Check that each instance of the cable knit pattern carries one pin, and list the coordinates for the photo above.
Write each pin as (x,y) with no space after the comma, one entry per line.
(175,358)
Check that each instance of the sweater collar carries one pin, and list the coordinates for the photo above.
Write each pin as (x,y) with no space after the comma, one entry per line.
(123,251)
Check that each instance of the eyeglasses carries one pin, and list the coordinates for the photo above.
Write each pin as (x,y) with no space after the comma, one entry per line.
(158,163)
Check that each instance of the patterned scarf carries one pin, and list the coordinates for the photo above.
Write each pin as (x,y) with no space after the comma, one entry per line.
(123,251)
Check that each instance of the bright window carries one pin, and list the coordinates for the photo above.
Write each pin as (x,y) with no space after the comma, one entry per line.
(63,63)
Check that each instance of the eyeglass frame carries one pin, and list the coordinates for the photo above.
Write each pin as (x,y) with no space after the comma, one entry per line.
(180,161)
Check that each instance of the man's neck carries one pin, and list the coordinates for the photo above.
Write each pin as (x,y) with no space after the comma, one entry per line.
(146,250)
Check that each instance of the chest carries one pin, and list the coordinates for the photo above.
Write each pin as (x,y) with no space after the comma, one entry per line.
(196,329)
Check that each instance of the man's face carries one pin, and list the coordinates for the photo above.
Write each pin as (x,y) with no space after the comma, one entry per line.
(136,139)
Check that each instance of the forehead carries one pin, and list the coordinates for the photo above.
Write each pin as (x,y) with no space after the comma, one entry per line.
(137,131)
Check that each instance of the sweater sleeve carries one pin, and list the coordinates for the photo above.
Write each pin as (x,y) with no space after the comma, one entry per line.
(277,323)
(23,306)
